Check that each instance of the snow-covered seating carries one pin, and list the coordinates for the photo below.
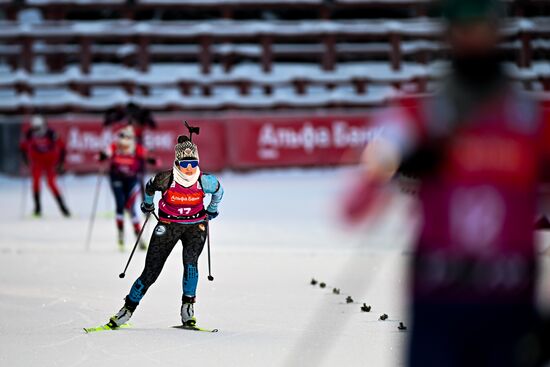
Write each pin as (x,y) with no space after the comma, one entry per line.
(227,9)
(67,100)
(247,86)
(57,9)
(221,63)
(329,41)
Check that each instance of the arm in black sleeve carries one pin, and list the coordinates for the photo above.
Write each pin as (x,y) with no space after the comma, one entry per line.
(161,182)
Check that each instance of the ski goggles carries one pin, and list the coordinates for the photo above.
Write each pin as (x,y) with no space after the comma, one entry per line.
(183,164)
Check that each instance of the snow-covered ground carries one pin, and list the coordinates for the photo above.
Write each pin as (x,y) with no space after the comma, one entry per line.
(275,232)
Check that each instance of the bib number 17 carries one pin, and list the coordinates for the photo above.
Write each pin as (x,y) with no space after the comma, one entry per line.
(184,211)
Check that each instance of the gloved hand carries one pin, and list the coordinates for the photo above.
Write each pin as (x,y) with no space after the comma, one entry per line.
(25,159)
(211,215)
(147,208)
(60,168)
(103,156)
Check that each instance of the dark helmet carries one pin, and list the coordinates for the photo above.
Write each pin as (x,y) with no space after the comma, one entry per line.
(464,11)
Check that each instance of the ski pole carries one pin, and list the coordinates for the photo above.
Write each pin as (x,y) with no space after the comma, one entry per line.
(94,210)
(156,216)
(123,274)
(24,194)
(210,277)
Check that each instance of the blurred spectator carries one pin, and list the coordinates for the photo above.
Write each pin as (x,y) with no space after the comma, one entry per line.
(44,152)
(131,114)
(480,149)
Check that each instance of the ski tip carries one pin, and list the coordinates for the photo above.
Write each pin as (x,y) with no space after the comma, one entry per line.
(93,329)
(106,327)
(195,328)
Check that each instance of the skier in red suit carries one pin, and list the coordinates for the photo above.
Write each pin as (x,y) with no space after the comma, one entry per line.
(127,158)
(44,153)
(139,118)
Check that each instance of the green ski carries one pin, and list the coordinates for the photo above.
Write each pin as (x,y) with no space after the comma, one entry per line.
(195,328)
(105,327)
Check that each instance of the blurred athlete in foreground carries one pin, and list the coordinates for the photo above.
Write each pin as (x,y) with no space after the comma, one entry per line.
(480,149)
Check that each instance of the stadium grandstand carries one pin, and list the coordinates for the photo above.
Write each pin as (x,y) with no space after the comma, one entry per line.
(83,56)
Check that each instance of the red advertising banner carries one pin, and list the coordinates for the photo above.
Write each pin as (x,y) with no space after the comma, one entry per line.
(297,141)
(234,142)
(238,142)
(85,138)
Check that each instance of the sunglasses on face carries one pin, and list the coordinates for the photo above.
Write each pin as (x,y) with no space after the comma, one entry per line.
(183,164)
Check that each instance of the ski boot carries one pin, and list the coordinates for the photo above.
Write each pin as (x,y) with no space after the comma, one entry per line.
(123,315)
(62,206)
(121,241)
(37,207)
(188,311)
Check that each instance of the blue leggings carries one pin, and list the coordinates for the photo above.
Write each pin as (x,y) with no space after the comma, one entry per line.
(126,191)
(163,240)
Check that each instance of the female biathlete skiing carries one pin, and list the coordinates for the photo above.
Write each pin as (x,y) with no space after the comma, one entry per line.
(182,217)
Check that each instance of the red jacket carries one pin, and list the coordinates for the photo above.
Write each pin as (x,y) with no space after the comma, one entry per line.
(45,149)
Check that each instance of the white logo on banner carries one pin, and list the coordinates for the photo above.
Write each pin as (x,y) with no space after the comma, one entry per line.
(82,140)
(341,135)
(93,141)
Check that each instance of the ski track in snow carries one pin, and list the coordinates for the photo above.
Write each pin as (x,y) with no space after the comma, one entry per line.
(276,230)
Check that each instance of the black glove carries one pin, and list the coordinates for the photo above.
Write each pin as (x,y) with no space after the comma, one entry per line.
(211,215)
(147,208)
(103,156)
(25,159)
(60,168)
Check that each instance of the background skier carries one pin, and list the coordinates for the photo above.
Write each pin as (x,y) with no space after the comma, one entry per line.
(44,153)
(140,119)
(127,158)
